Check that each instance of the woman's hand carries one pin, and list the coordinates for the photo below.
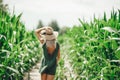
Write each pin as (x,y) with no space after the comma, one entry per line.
(58,56)
(57,60)
(37,32)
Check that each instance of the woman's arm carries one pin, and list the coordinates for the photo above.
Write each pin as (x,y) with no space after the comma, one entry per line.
(58,56)
(37,32)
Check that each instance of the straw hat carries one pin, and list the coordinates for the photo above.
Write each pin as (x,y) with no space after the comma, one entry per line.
(49,34)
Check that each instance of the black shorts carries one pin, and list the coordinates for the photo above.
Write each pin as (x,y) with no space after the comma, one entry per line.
(50,71)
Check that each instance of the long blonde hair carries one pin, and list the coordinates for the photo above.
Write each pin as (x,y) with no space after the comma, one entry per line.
(51,43)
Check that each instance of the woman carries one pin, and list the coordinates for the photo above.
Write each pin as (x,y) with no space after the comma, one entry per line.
(51,52)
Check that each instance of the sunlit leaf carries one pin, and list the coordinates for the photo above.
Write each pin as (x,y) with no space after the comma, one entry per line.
(12,69)
(109,29)
(115,38)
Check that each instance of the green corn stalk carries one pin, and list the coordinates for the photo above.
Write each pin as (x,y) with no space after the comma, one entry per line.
(13,54)
(94,40)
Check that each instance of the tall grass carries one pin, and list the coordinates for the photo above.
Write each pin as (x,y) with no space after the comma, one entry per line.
(19,49)
(96,52)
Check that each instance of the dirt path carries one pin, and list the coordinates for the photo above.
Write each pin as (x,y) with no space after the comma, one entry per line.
(33,74)
(66,48)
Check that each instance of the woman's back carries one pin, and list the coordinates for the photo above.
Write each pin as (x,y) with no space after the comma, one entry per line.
(51,45)
(50,50)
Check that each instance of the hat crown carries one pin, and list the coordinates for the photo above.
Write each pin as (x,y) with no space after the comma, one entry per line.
(48,33)
(49,30)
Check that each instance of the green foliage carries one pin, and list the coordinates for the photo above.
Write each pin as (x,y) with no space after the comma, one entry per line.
(3,7)
(96,52)
(63,30)
(54,25)
(19,49)
(64,50)
(94,55)
(40,24)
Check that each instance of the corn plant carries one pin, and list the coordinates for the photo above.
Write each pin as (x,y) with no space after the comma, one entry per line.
(96,52)
(19,49)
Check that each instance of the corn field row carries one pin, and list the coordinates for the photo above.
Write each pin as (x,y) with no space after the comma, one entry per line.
(95,54)
(19,49)
(93,51)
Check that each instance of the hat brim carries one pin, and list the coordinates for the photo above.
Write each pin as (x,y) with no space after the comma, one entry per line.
(52,37)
